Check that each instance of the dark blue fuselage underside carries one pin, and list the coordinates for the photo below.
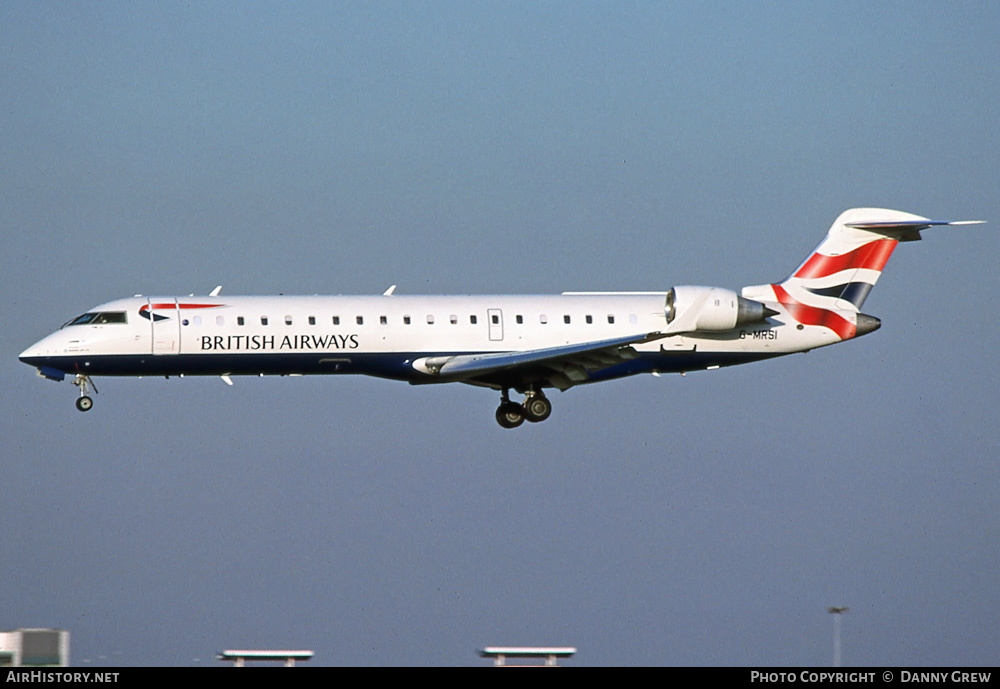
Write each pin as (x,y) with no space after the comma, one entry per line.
(396,366)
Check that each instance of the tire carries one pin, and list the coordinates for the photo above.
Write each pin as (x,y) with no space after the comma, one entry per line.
(510,415)
(84,403)
(537,408)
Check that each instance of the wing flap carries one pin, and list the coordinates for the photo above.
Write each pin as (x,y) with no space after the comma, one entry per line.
(571,362)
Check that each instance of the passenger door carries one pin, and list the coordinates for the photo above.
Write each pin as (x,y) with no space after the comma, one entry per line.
(165,325)
(495,318)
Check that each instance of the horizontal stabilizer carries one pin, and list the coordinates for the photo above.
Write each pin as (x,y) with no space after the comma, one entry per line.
(906,230)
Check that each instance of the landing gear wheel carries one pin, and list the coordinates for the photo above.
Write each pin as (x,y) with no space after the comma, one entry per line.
(537,408)
(84,403)
(510,414)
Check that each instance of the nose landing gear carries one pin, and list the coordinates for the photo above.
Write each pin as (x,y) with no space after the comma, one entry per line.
(536,408)
(84,403)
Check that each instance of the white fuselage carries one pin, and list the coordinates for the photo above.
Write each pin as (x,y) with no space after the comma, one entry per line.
(388,335)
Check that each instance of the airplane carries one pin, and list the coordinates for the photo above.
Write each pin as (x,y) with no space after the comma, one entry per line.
(522,343)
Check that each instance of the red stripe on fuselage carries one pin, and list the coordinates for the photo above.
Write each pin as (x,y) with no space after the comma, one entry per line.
(171,305)
(812,315)
(872,256)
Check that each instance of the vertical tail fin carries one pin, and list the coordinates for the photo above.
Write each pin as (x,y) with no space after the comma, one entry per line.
(842,270)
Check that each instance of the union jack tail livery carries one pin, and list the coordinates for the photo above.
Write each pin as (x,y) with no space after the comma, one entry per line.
(829,288)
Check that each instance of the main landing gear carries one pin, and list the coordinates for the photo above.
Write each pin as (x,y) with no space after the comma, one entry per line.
(84,403)
(535,408)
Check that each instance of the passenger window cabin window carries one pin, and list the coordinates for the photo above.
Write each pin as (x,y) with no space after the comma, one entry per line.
(453,319)
(312,320)
(519,319)
(430,320)
(406,320)
(473,320)
(240,320)
(360,320)
(336,320)
(590,319)
(383,320)
(566,319)
(496,319)
(611,319)
(263,320)
(288,320)
(543,319)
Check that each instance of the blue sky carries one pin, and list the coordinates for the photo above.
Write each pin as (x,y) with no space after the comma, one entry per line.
(503,148)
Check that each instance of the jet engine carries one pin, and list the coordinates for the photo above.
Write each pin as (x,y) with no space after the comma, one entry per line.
(691,308)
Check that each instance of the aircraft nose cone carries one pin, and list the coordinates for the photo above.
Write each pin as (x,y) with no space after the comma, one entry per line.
(29,354)
(45,347)
(38,355)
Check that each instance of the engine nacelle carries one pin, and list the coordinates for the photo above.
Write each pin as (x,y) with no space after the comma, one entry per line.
(690,308)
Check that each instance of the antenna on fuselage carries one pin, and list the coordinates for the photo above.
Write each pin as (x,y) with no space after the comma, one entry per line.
(388,292)
(215,292)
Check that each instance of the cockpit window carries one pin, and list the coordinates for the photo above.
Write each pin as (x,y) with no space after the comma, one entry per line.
(99,318)
(82,320)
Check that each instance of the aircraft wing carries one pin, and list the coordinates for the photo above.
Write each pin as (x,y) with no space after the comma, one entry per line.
(561,367)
